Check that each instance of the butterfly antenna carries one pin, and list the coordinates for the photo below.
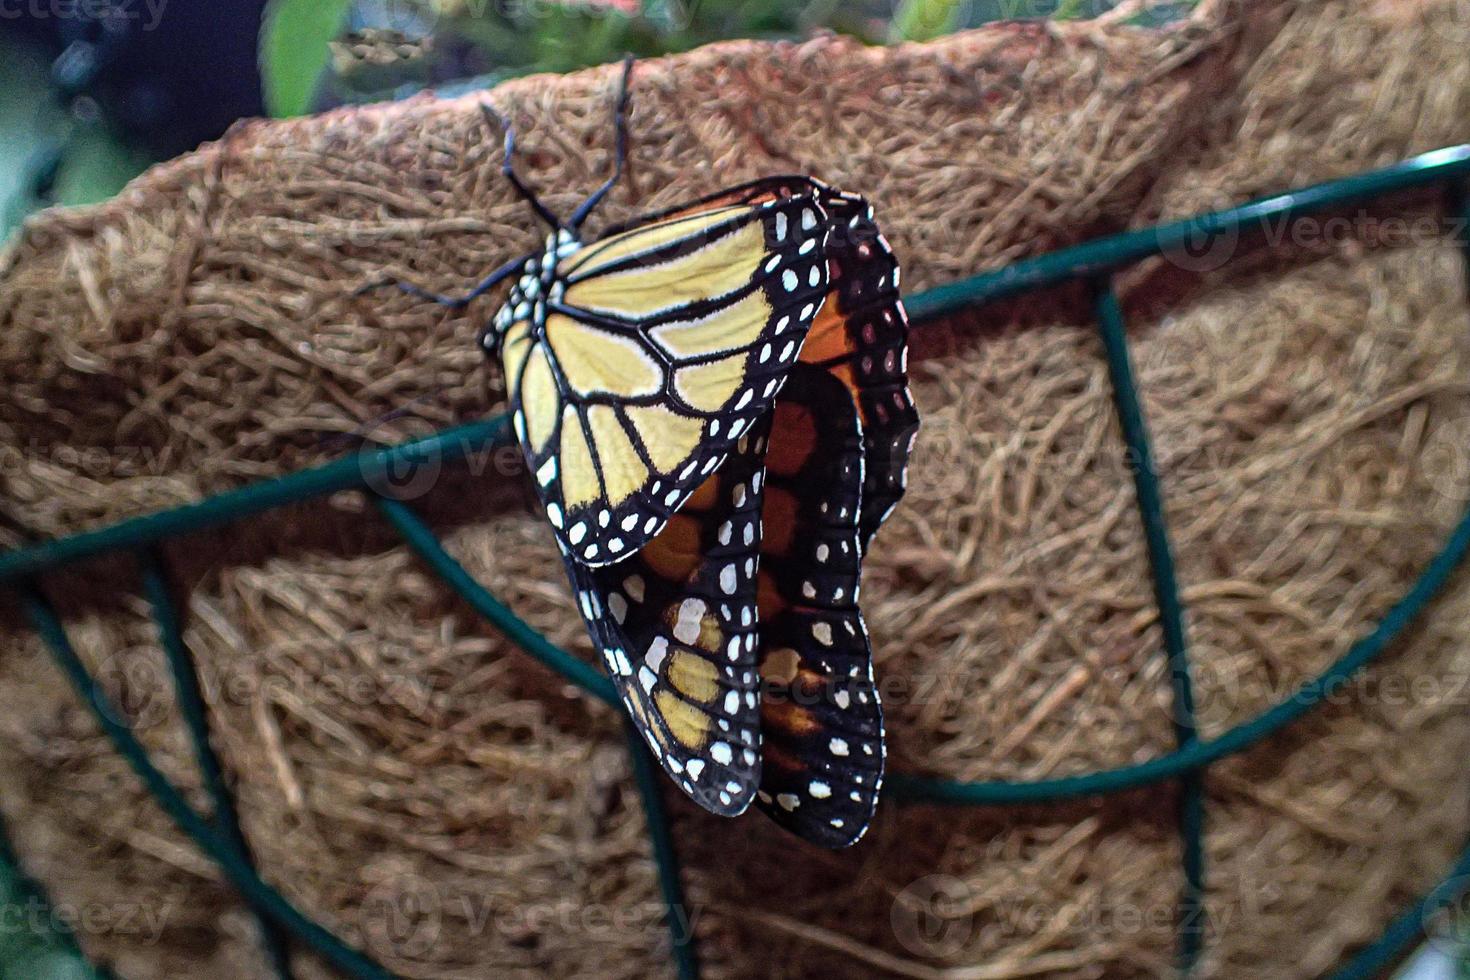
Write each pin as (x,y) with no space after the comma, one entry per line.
(507,166)
(620,126)
(454,302)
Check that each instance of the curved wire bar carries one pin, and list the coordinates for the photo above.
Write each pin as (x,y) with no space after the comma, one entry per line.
(1150,498)
(261,897)
(427,546)
(1198,754)
(921,789)
(1409,925)
(187,689)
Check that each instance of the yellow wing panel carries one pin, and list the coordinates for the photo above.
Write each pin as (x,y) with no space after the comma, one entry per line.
(736,325)
(687,723)
(596,360)
(709,387)
(720,267)
(639,241)
(540,401)
(669,438)
(513,351)
(694,676)
(623,472)
(579,483)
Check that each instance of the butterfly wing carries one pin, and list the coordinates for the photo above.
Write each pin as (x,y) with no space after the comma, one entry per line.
(836,469)
(861,336)
(649,352)
(676,624)
(757,191)
(643,386)
(821,721)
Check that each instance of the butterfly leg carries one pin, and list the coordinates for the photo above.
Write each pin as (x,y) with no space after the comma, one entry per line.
(453,302)
(507,166)
(620,126)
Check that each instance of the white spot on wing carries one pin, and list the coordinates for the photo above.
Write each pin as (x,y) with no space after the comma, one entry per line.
(657,651)
(686,625)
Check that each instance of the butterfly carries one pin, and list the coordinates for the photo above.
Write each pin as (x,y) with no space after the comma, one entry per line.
(712,402)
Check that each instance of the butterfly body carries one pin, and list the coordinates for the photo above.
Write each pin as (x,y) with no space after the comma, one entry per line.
(529,293)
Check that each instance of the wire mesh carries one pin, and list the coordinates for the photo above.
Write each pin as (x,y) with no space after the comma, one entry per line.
(218,834)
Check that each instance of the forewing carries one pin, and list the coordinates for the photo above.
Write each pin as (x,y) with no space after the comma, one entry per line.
(676,626)
(821,721)
(757,191)
(662,346)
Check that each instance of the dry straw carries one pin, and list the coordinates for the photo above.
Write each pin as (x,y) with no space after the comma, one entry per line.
(412,781)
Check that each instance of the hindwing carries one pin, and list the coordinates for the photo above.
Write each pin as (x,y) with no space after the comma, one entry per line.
(677,623)
(821,721)
(861,337)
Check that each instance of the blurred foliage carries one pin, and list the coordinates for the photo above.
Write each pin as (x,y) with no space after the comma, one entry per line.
(293,49)
(924,20)
(360,50)
(54,151)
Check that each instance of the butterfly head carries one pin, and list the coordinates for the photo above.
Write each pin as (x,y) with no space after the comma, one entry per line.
(535,287)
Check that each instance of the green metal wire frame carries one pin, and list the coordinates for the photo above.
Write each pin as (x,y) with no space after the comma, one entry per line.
(218,834)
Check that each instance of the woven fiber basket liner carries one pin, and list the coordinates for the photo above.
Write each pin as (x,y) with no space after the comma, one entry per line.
(412,781)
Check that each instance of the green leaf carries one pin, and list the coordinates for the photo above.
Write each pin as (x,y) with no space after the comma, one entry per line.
(924,20)
(96,166)
(293,50)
